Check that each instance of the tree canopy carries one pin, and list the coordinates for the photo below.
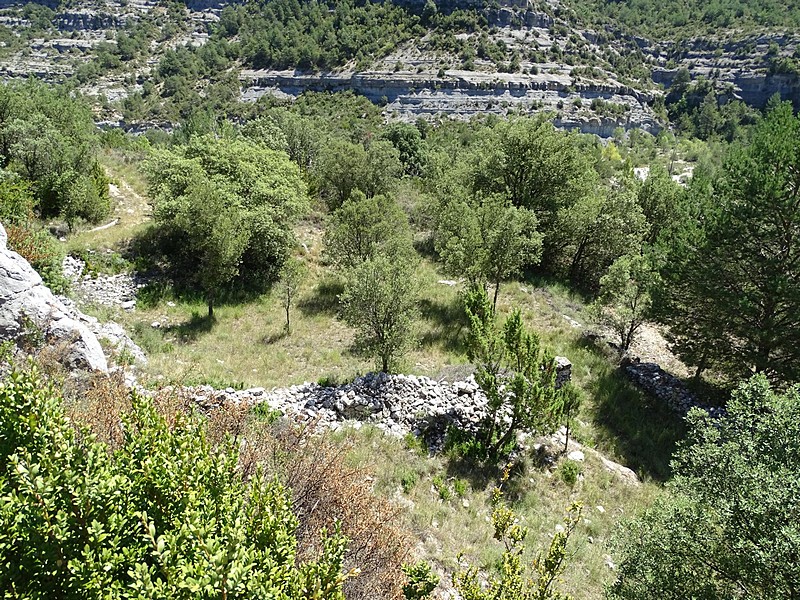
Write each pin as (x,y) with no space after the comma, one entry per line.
(744,268)
(229,204)
(728,528)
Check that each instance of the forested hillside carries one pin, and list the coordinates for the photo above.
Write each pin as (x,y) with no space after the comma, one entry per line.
(355,301)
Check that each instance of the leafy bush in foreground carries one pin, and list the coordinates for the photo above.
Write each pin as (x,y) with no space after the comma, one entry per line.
(729,529)
(161,516)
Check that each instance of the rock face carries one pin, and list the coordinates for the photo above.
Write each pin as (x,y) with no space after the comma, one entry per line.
(105,290)
(25,299)
(464,94)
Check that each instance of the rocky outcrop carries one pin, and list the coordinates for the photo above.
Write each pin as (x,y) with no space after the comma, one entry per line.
(464,94)
(25,302)
(87,20)
(397,404)
(105,290)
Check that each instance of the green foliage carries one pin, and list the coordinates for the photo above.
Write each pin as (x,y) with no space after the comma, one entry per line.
(409,143)
(380,301)
(569,470)
(534,165)
(625,298)
(732,300)
(421,581)
(517,376)
(514,582)
(291,276)
(315,35)
(162,515)
(595,231)
(49,139)
(224,208)
(345,167)
(362,227)
(265,413)
(214,229)
(728,527)
(487,239)
(441,487)
(659,199)
(675,19)
(27,237)
(408,481)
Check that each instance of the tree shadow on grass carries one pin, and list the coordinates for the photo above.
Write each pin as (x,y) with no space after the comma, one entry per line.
(323,300)
(191,330)
(639,428)
(447,323)
(486,475)
(274,338)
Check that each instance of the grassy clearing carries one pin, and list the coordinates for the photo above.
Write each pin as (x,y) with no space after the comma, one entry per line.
(128,205)
(447,501)
(247,344)
(449,510)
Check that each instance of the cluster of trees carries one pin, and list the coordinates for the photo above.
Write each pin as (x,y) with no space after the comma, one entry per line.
(700,109)
(316,35)
(225,209)
(500,199)
(675,18)
(727,525)
(48,140)
(524,195)
(731,294)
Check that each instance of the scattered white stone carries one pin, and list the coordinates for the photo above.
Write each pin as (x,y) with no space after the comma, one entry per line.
(449,282)
(600,509)
(170,304)
(155,325)
(576,455)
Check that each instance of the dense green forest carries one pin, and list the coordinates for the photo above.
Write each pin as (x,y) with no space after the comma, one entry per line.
(681,19)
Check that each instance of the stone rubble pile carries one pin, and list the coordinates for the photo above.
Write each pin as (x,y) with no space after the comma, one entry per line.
(106,290)
(666,387)
(396,404)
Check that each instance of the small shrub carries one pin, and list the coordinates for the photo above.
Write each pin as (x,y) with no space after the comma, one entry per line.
(516,582)
(415,444)
(158,517)
(569,471)
(421,581)
(460,487)
(441,487)
(151,340)
(265,413)
(408,481)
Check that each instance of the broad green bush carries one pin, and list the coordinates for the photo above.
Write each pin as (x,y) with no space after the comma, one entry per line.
(162,516)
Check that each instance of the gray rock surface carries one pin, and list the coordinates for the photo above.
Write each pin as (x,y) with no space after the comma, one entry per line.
(397,404)
(666,387)
(23,297)
(105,290)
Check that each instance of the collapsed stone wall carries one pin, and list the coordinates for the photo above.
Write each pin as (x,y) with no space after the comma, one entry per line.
(396,404)
(666,387)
